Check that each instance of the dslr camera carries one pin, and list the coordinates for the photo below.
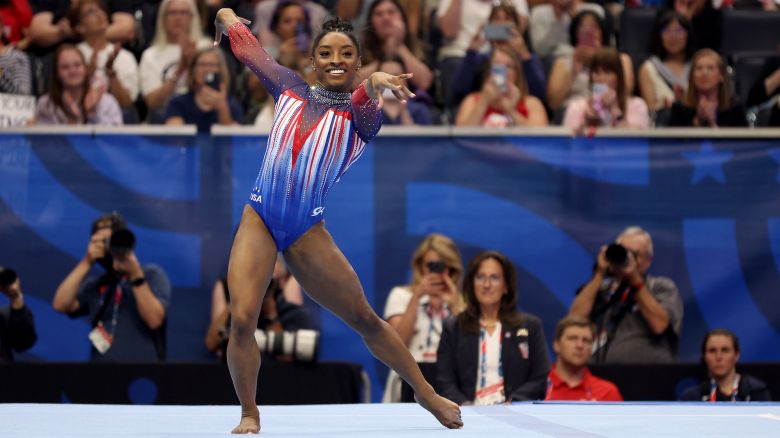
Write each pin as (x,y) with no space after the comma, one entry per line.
(301,345)
(617,255)
(7,277)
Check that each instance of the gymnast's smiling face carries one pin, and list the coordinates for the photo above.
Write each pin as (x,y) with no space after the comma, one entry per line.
(336,61)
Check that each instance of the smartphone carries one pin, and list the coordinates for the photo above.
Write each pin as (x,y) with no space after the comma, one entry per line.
(498,76)
(436,267)
(498,32)
(213,80)
(302,37)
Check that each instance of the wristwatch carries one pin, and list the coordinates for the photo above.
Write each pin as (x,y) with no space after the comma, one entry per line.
(138,281)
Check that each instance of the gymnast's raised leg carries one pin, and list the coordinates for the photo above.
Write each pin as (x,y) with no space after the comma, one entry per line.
(326,275)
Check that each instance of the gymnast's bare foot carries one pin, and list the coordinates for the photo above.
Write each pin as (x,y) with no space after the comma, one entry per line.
(447,412)
(250,423)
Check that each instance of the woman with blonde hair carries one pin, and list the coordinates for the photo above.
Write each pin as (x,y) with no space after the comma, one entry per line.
(165,63)
(417,311)
(708,102)
(504,99)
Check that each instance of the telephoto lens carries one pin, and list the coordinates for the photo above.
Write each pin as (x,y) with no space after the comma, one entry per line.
(300,344)
(616,254)
(7,277)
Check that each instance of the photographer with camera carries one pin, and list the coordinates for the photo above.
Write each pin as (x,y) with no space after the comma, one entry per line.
(638,317)
(127,305)
(207,102)
(417,311)
(285,329)
(17,328)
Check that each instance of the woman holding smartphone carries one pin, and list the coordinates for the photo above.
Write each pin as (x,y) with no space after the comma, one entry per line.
(608,105)
(206,102)
(503,100)
(569,76)
(417,310)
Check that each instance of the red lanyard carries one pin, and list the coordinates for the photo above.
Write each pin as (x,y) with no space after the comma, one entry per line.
(734,389)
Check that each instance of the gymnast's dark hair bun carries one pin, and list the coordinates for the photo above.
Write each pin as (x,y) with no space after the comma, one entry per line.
(337,25)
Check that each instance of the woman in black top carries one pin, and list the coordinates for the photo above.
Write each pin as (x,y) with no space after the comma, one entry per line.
(720,353)
(708,101)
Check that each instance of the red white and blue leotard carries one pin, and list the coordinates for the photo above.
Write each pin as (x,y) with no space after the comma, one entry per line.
(316,135)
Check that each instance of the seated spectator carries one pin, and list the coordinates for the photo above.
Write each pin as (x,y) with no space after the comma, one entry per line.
(720,354)
(207,102)
(549,25)
(468,78)
(387,36)
(291,26)
(570,378)
(708,102)
(113,67)
(766,90)
(707,22)
(164,64)
(264,12)
(459,21)
(127,305)
(15,18)
(14,67)
(72,99)
(418,310)
(569,77)
(17,327)
(638,317)
(50,25)
(397,113)
(663,78)
(503,100)
(277,314)
(491,353)
(607,106)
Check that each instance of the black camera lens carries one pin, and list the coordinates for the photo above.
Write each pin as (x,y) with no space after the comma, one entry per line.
(122,241)
(616,254)
(7,277)
(436,267)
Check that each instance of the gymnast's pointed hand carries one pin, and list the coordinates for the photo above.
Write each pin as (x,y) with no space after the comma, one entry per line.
(380,81)
(226,18)
(447,412)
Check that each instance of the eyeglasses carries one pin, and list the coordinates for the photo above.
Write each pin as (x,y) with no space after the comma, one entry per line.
(493,278)
(180,13)
(674,30)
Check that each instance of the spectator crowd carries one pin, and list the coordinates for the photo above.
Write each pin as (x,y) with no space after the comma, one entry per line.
(474,62)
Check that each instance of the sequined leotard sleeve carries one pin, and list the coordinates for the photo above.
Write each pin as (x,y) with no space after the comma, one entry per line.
(317,134)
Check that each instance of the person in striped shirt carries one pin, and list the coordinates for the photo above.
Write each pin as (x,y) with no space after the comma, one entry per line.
(318,132)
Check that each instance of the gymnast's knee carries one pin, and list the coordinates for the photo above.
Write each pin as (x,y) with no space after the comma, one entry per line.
(242,325)
(365,322)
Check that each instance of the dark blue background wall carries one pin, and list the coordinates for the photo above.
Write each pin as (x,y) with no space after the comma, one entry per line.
(712,206)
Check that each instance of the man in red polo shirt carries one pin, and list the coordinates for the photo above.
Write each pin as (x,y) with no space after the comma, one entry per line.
(569,378)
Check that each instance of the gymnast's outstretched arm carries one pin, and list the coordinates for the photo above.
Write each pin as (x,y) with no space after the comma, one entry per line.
(275,77)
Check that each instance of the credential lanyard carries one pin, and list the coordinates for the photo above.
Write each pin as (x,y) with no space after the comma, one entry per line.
(483,353)
(115,310)
(734,389)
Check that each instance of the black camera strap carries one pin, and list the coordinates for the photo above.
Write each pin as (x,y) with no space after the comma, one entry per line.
(107,283)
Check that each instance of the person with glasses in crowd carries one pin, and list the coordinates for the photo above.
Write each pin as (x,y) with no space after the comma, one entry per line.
(491,353)
(638,317)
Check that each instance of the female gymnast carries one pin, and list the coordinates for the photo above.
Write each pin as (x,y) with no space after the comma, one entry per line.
(317,133)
